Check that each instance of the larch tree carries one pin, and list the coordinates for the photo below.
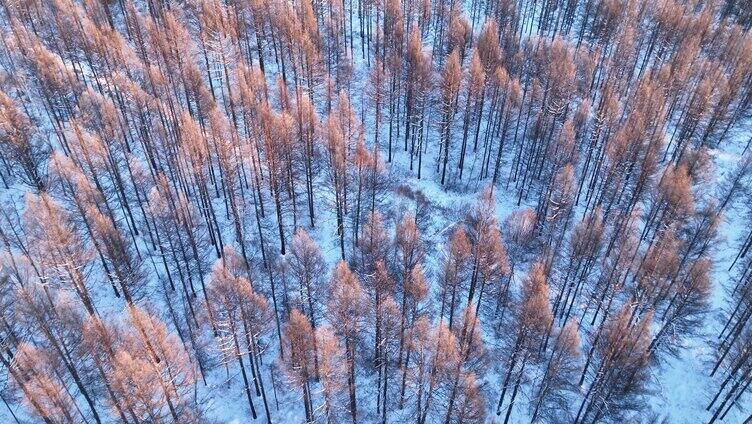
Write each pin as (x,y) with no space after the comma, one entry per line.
(417,95)
(519,231)
(451,78)
(59,247)
(338,158)
(471,362)
(374,245)
(410,251)
(473,109)
(585,244)
(684,313)
(230,293)
(100,340)
(471,404)
(437,354)
(387,347)
(49,399)
(345,308)
(21,145)
(298,363)
(122,264)
(532,319)
(489,257)
(621,369)
(551,394)
(415,290)
(455,270)
(58,321)
(332,369)
(182,240)
(153,370)
(308,269)
(307,122)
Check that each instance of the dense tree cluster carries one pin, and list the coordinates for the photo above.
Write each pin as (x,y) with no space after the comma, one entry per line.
(205,195)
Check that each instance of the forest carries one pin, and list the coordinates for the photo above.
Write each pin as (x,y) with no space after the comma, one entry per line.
(375,211)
